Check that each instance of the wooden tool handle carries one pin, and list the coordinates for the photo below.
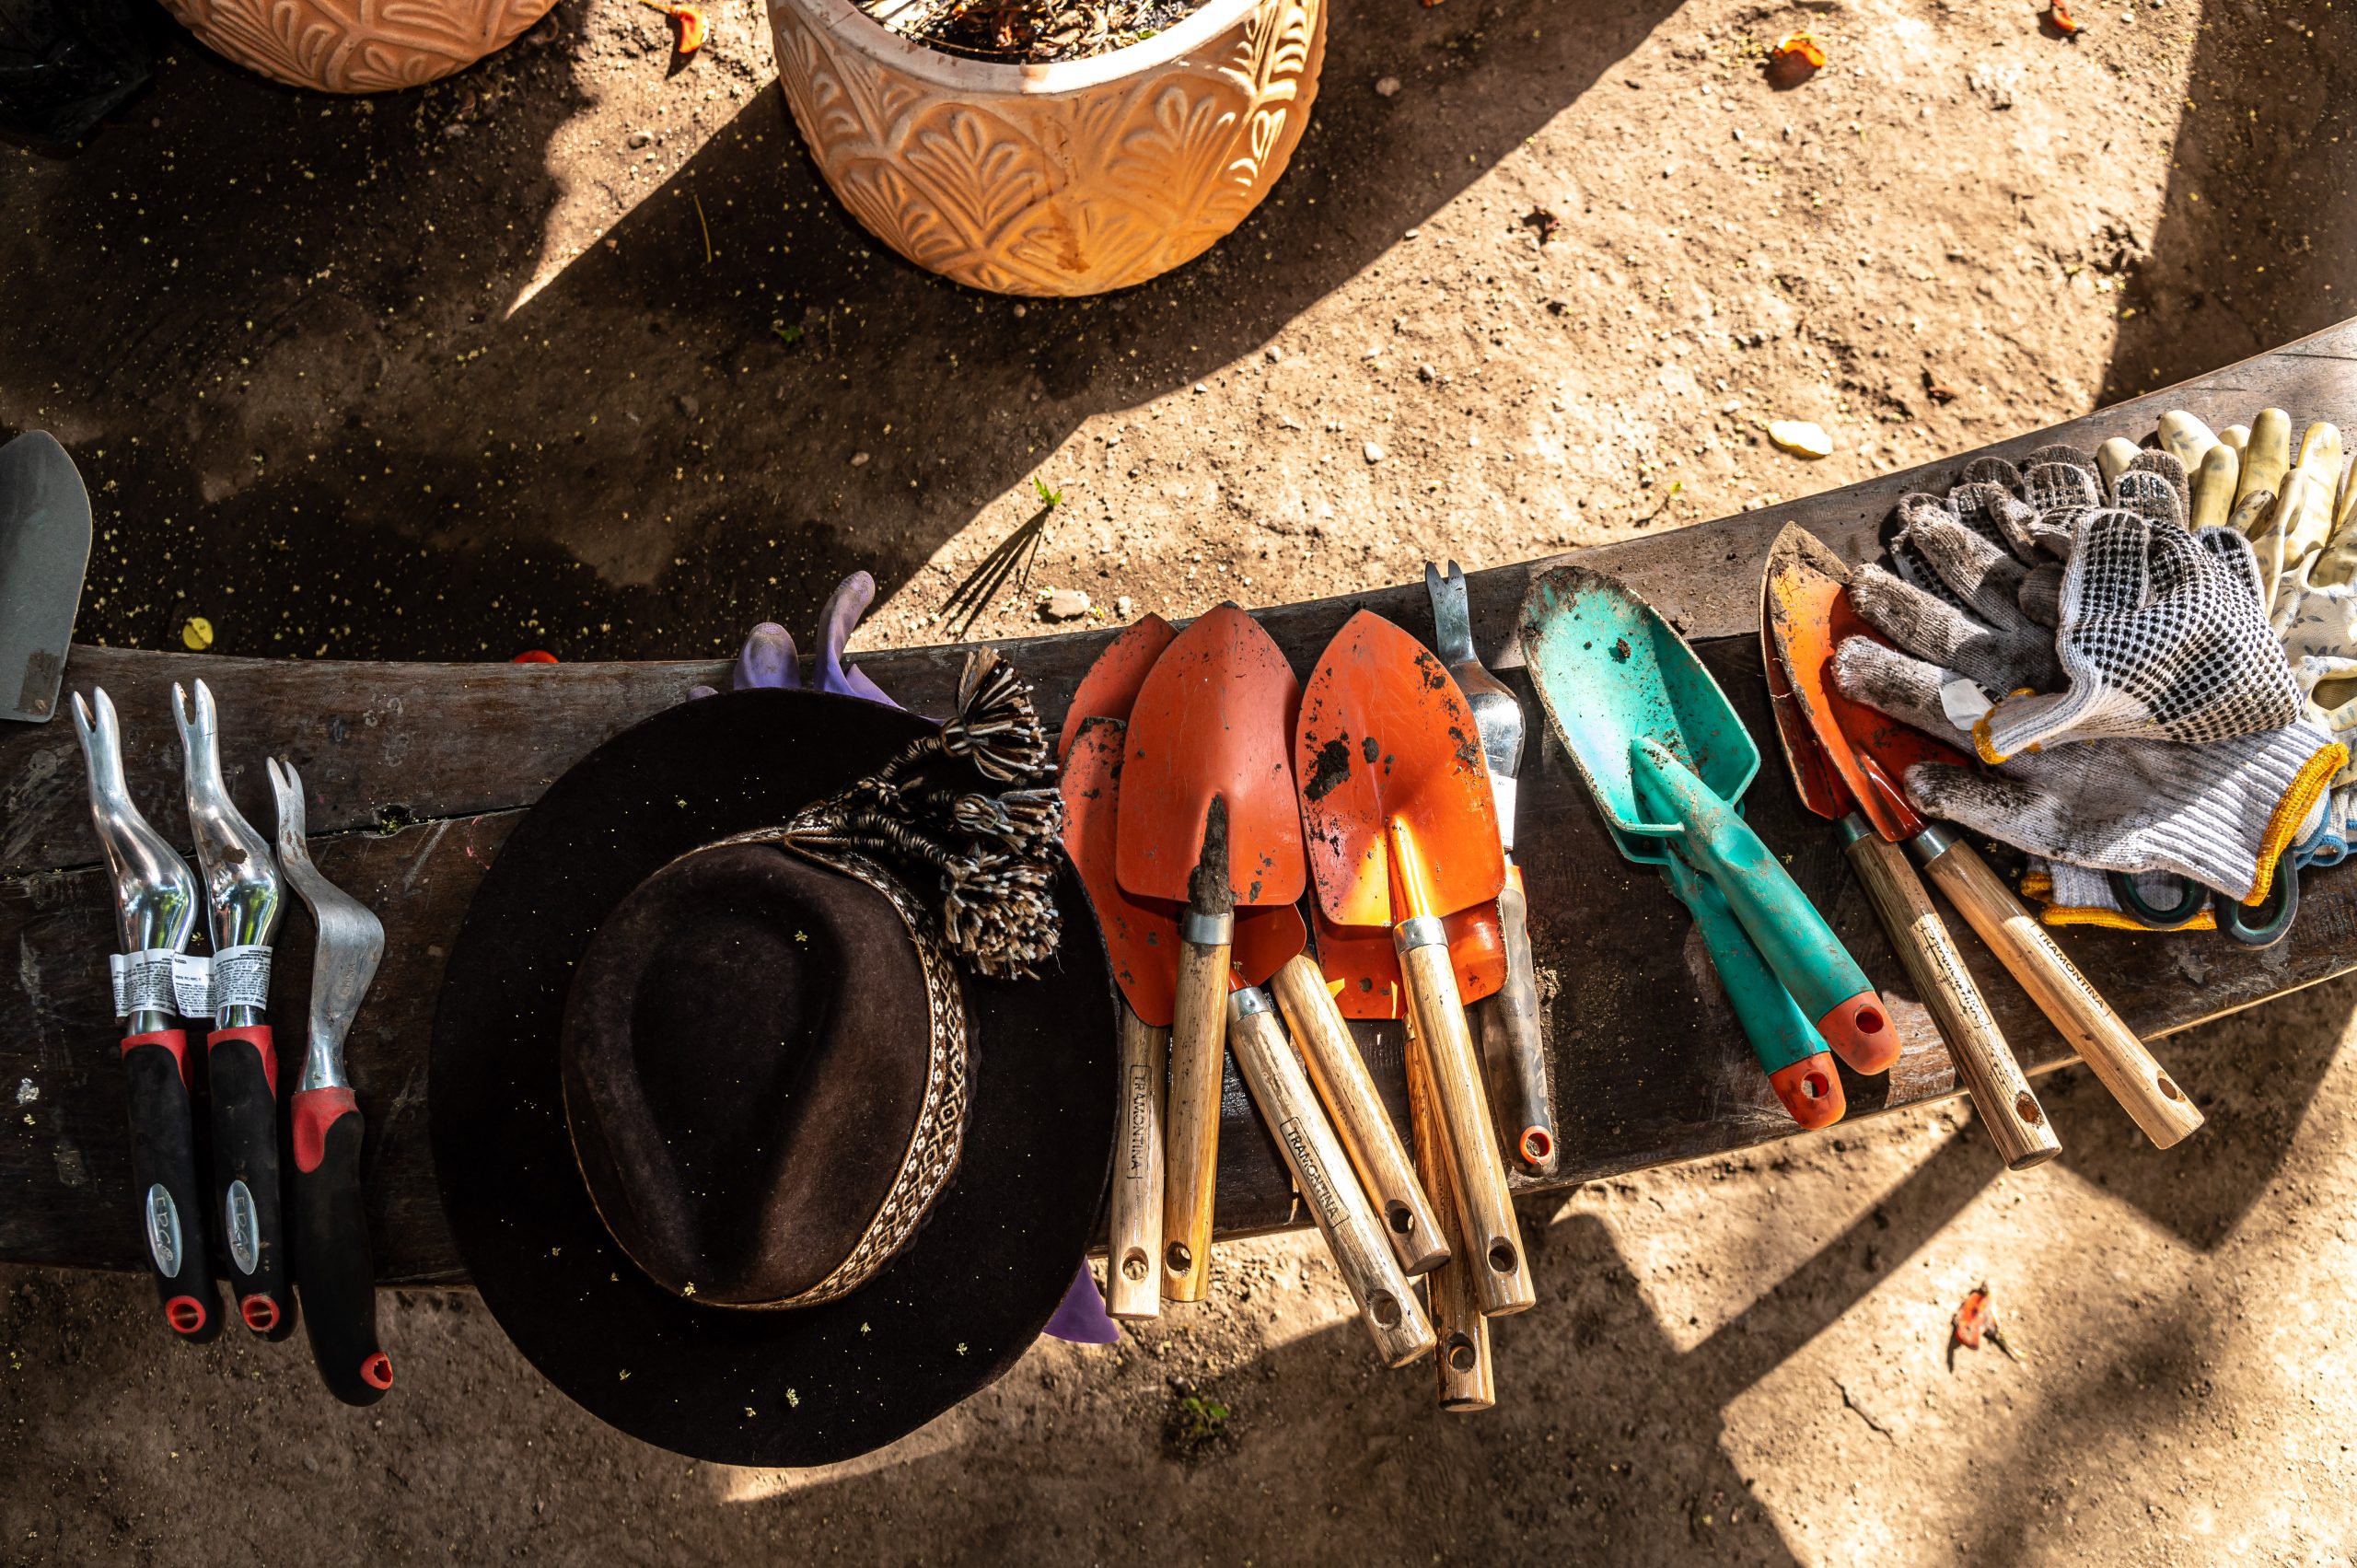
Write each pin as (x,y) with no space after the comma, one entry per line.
(2120,1060)
(1493,1249)
(1348,1091)
(1468,1376)
(1190,1150)
(2002,1096)
(1132,1282)
(1321,1174)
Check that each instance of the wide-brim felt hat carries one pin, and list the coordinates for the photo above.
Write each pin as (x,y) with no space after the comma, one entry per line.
(623,882)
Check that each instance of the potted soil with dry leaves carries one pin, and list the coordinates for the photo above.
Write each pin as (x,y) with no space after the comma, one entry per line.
(1050,147)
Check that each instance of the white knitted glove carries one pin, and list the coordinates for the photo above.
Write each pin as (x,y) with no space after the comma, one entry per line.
(2219,814)
(2163,635)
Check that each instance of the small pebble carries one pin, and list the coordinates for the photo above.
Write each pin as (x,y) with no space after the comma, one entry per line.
(639,138)
(859,460)
(1801,437)
(1387,85)
(1373,453)
(1121,607)
(1063,604)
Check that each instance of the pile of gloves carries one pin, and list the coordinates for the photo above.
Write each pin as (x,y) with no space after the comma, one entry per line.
(2152,649)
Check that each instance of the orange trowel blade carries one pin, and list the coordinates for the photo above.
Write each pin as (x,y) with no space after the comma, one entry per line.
(1388,749)
(1110,687)
(1266,940)
(1361,961)
(1142,936)
(1213,719)
(1810,613)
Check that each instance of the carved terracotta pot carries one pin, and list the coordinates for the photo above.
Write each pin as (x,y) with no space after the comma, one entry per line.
(356,46)
(1053,179)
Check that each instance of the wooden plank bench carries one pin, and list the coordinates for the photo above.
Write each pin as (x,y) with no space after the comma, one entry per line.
(419,771)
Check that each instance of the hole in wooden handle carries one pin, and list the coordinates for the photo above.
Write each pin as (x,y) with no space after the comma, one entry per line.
(2025,1106)
(1462,1357)
(1134,1265)
(2168,1089)
(1176,1258)
(1401,1219)
(1386,1308)
(1501,1256)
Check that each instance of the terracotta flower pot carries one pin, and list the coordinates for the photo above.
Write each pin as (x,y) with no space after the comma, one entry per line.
(1053,179)
(356,46)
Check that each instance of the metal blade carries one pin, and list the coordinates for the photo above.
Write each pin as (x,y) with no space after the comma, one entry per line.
(44,553)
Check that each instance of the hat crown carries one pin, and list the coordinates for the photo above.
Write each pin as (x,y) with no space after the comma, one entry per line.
(764,1066)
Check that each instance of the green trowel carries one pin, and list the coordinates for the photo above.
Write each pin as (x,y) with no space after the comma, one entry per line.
(1666,759)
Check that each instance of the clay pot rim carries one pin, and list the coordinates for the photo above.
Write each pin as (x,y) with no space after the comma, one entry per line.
(981,78)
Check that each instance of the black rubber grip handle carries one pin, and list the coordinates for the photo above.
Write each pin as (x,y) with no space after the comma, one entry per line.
(242,1067)
(332,1271)
(1513,1050)
(163,1173)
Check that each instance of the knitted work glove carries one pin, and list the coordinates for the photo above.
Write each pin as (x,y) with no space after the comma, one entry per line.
(2161,635)
(2219,814)
(2072,895)
(1969,618)
(2327,842)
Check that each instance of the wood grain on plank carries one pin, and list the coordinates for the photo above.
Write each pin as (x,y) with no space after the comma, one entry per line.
(420,771)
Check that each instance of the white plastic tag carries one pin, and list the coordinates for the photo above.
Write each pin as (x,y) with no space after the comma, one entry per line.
(193,985)
(240,978)
(143,981)
(1501,791)
(1964,703)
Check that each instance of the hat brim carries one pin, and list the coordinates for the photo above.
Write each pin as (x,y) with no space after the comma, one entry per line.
(963,1299)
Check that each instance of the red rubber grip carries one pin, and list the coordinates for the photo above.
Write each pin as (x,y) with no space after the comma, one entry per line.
(259,1036)
(316,1110)
(173,1040)
(1811,1090)
(1861,1033)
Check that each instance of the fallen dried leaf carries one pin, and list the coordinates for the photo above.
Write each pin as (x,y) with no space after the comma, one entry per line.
(197,633)
(1976,1320)
(694,28)
(2059,17)
(1799,47)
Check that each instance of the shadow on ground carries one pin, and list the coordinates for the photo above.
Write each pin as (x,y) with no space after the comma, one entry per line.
(313,403)
(2258,240)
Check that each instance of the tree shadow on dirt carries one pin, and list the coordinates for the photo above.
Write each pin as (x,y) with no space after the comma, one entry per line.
(2256,243)
(297,346)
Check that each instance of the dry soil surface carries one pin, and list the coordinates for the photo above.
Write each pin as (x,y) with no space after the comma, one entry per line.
(571,351)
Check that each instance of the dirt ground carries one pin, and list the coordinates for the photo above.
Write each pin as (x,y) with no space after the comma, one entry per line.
(457,373)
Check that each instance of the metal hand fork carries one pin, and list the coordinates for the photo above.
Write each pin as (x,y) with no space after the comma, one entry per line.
(244,898)
(1513,1054)
(333,1273)
(155,911)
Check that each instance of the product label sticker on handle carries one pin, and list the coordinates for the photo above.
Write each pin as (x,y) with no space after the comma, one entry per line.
(143,981)
(240,978)
(192,984)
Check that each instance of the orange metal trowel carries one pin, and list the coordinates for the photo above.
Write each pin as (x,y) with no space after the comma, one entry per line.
(1807,615)
(1403,831)
(1207,821)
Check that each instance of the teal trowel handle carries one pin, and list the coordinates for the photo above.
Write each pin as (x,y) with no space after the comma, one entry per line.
(1799,946)
(1799,1067)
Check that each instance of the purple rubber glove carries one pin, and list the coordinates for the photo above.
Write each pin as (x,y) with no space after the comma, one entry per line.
(1081,1318)
(844,607)
(768,659)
